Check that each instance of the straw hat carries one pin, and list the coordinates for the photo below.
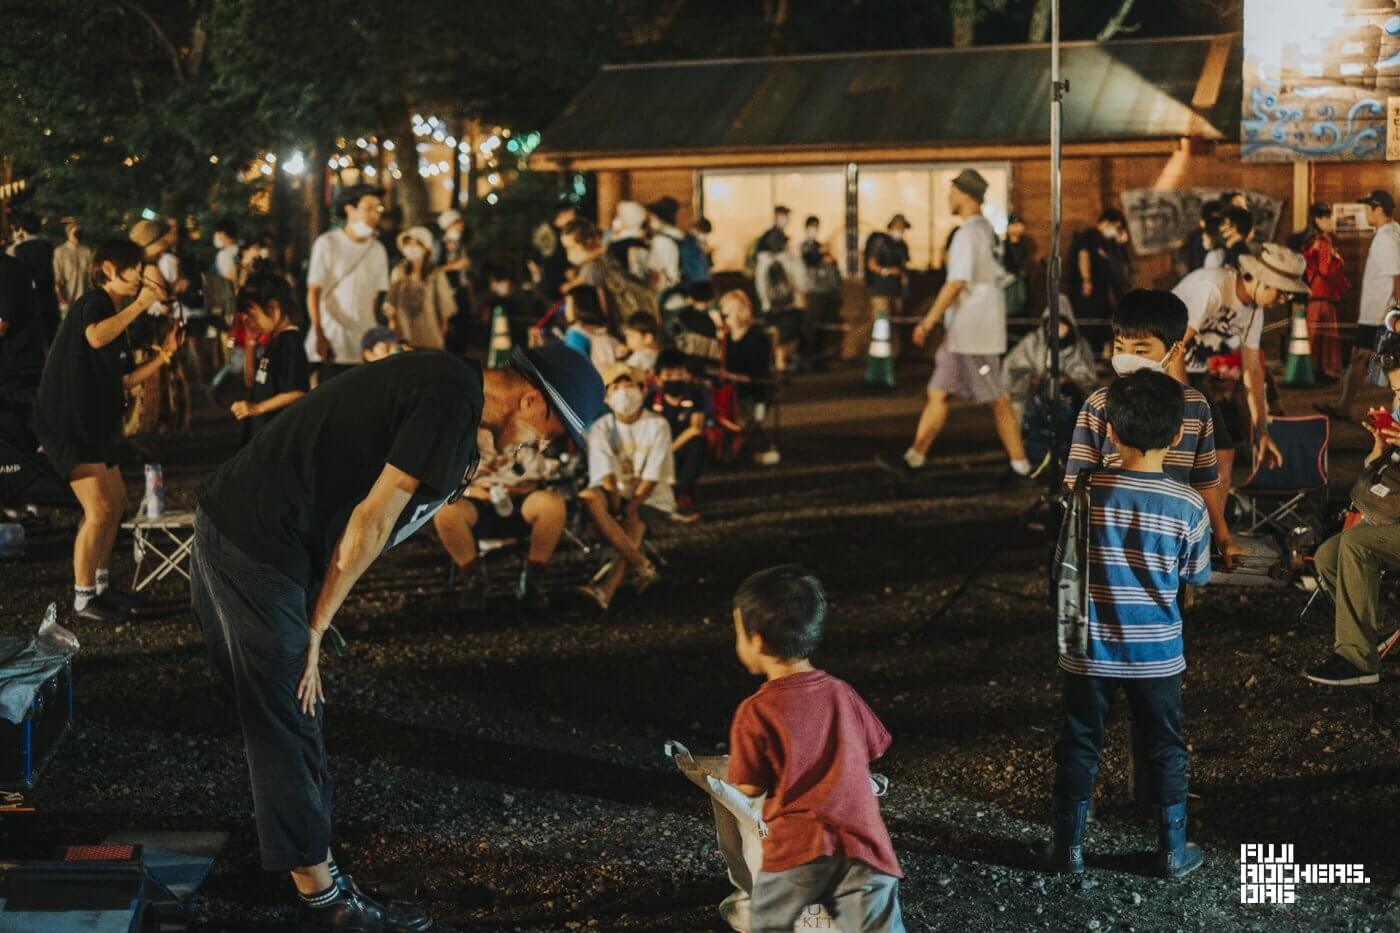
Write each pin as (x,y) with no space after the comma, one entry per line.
(1276,266)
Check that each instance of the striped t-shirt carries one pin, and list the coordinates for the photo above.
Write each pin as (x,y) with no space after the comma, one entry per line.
(1148,534)
(1192,461)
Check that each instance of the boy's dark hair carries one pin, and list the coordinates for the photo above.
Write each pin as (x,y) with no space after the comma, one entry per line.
(812,221)
(584,232)
(1241,219)
(700,291)
(703,225)
(1145,409)
(672,359)
(1388,353)
(781,209)
(1112,215)
(496,272)
(786,607)
(1150,312)
(642,323)
(353,195)
(227,227)
(121,253)
(28,221)
(587,308)
(261,289)
(1319,209)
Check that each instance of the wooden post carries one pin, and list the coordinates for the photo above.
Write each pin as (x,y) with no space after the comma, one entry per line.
(1302,193)
(609,194)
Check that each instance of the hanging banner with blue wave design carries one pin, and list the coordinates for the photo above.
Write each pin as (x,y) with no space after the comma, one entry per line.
(1317,75)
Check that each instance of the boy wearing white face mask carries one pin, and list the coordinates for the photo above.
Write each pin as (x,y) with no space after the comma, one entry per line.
(631,473)
(1149,328)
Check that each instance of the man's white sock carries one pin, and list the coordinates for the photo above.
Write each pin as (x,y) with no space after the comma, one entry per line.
(1021,467)
(82,595)
(914,460)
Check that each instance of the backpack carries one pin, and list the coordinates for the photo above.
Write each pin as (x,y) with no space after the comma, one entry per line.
(1376,494)
(1071,571)
(626,295)
(695,265)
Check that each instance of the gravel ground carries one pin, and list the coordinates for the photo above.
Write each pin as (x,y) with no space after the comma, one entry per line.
(510,766)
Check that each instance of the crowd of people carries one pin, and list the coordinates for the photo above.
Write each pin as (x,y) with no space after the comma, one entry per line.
(624,371)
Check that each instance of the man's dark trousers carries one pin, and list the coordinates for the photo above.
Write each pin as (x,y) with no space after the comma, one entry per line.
(255,622)
(1155,703)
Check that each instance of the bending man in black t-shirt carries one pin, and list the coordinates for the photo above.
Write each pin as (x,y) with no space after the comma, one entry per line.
(297,516)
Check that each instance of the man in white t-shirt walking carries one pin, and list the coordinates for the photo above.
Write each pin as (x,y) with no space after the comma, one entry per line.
(968,362)
(1380,290)
(346,281)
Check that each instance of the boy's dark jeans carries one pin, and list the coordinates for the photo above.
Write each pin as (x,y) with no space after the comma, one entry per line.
(1156,708)
(690,461)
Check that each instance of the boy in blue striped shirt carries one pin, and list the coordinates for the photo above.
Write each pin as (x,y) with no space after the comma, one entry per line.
(1148,534)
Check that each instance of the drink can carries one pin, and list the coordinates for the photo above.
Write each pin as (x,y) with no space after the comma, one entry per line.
(155,491)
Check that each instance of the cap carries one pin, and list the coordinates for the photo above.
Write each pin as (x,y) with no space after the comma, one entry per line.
(971,183)
(422,235)
(568,380)
(665,207)
(448,217)
(631,215)
(1277,266)
(378,335)
(898,220)
(1381,199)
(146,233)
(615,371)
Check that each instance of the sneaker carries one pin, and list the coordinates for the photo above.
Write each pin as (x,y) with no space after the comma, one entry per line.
(646,578)
(685,515)
(1339,672)
(353,913)
(768,458)
(398,915)
(99,610)
(897,467)
(472,594)
(594,595)
(530,592)
(1013,480)
(121,599)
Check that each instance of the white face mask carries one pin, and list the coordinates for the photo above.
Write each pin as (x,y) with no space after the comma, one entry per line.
(1127,363)
(414,253)
(625,401)
(896,235)
(360,230)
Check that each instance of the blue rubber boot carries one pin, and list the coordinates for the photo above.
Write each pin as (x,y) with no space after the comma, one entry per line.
(1065,853)
(1177,857)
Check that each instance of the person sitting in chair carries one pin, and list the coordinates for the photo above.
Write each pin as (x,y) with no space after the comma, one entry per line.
(1349,564)
(505,500)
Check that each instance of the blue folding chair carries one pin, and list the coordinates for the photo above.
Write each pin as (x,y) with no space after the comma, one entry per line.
(1294,494)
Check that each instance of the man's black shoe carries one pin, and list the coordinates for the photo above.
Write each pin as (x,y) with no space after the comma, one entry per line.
(896,467)
(1337,671)
(352,913)
(530,592)
(473,587)
(121,599)
(99,610)
(400,915)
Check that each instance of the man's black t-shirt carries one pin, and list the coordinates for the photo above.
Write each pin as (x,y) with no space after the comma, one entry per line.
(1100,252)
(282,367)
(21,348)
(81,399)
(285,498)
(888,253)
(37,254)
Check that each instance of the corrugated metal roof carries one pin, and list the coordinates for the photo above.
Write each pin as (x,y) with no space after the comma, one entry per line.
(1130,90)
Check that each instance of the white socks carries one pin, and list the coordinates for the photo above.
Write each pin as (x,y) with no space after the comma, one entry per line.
(914,460)
(1021,467)
(82,595)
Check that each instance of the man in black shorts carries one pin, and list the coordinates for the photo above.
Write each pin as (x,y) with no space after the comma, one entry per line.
(286,527)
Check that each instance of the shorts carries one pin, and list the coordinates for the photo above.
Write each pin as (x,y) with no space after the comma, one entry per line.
(66,456)
(491,525)
(1366,336)
(972,376)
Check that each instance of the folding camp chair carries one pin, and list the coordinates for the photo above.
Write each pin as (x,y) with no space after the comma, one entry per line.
(168,540)
(1294,494)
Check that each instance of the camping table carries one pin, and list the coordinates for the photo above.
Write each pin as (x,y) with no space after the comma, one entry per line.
(168,540)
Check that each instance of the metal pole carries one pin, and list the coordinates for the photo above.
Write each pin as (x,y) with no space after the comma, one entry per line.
(1052,335)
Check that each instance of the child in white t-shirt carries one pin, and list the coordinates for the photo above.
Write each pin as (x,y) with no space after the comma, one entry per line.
(630,474)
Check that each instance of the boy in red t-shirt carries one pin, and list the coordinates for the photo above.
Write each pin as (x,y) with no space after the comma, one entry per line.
(806,740)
